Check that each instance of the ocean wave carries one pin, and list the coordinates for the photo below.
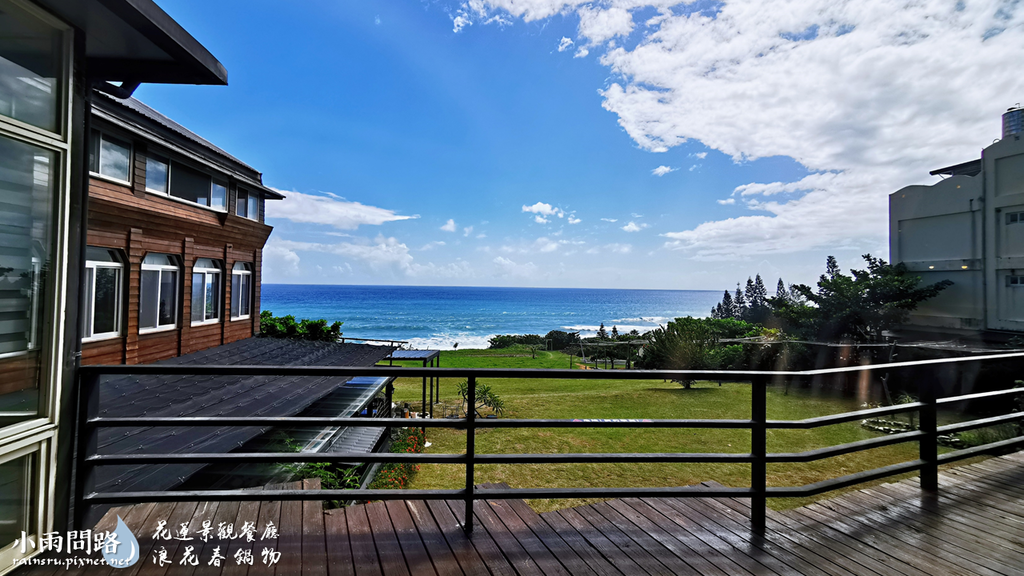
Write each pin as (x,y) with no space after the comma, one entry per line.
(448,342)
(591,330)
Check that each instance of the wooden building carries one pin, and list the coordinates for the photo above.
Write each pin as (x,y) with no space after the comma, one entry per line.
(175,234)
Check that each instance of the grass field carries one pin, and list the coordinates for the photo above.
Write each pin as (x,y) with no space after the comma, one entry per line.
(655,399)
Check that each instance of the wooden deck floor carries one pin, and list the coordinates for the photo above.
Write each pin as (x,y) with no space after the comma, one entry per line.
(974,526)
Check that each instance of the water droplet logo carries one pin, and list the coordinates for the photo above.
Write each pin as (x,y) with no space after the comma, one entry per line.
(127,553)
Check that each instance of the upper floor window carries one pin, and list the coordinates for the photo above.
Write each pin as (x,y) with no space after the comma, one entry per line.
(1015,217)
(206,276)
(158,292)
(157,174)
(1015,281)
(31,68)
(101,285)
(198,187)
(248,205)
(110,157)
(241,290)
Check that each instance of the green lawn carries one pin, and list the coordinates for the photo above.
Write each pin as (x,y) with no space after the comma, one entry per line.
(655,399)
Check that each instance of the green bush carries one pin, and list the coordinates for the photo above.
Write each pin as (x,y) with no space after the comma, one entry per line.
(396,475)
(507,340)
(287,327)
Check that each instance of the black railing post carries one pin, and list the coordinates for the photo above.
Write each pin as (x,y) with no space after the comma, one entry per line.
(930,441)
(758,450)
(86,443)
(470,452)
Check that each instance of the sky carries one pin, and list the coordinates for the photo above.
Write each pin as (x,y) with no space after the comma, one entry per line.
(603,144)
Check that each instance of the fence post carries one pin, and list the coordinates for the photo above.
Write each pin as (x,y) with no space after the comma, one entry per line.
(758,449)
(930,441)
(470,452)
(86,443)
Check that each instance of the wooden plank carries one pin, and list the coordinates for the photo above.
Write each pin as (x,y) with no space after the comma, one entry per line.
(248,514)
(339,551)
(189,513)
(585,518)
(994,507)
(468,550)
(517,556)
(167,511)
(437,546)
(802,560)
(667,556)
(416,556)
(580,559)
(314,547)
(392,560)
(226,513)
(548,563)
(566,524)
(289,543)
(956,508)
(364,552)
(269,515)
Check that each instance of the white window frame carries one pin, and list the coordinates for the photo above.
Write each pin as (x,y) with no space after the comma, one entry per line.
(159,288)
(163,160)
(246,273)
(131,158)
(239,204)
(208,271)
(214,179)
(93,264)
(1014,281)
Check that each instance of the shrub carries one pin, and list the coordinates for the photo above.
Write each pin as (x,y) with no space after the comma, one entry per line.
(507,340)
(396,475)
(287,327)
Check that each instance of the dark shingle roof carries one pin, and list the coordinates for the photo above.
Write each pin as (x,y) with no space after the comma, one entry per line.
(134,396)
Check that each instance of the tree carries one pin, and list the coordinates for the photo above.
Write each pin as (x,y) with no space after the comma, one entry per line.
(602,333)
(725,309)
(860,307)
(739,304)
(615,332)
(683,344)
(780,291)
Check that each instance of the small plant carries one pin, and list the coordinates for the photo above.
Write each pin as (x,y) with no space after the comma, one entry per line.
(397,475)
(287,327)
(331,476)
(485,398)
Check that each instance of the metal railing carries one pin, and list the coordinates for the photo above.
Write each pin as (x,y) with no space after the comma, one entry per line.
(90,422)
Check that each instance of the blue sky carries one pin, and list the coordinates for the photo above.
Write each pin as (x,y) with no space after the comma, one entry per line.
(780,130)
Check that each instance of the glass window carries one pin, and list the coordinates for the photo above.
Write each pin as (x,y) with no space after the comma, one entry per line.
(248,205)
(17,487)
(102,288)
(254,206)
(157,171)
(198,187)
(31,68)
(205,291)
(241,290)
(109,156)
(27,190)
(219,196)
(158,292)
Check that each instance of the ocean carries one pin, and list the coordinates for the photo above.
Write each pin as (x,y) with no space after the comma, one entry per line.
(435,317)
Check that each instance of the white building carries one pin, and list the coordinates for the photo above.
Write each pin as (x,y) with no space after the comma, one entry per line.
(968,228)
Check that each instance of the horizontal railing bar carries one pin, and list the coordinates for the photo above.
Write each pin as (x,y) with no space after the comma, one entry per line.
(192,370)
(973,424)
(274,457)
(983,449)
(831,451)
(844,417)
(478,494)
(844,481)
(966,397)
(219,421)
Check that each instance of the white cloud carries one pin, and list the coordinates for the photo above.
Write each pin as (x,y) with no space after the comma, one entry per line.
(700,155)
(634,227)
(545,245)
(662,170)
(726,201)
(381,253)
(564,44)
(460,21)
(449,226)
(581,52)
(334,211)
(467,231)
(574,220)
(544,209)
(279,261)
(481,235)
(508,267)
(432,245)
(540,219)
(846,89)
(619,248)
(609,220)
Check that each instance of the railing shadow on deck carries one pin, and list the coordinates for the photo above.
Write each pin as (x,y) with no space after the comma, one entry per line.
(89,423)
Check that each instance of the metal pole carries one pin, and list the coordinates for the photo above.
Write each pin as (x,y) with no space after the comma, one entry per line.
(431,384)
(87,444)
(930,441)
(758,449)
(470,454)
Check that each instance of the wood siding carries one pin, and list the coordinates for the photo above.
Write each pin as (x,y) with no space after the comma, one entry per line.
(137,223)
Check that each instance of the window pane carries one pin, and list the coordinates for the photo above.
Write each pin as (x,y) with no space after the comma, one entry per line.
(115,156)
(87,283)
(27,188)
(212,296)
(108,284)
(31,55)
(218,196)
(254,207)
(168,298)
(156,175)
(242,204)
(198,297)
(149,297)
(189,184)
(236,294)
(16,498)
(246,280)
